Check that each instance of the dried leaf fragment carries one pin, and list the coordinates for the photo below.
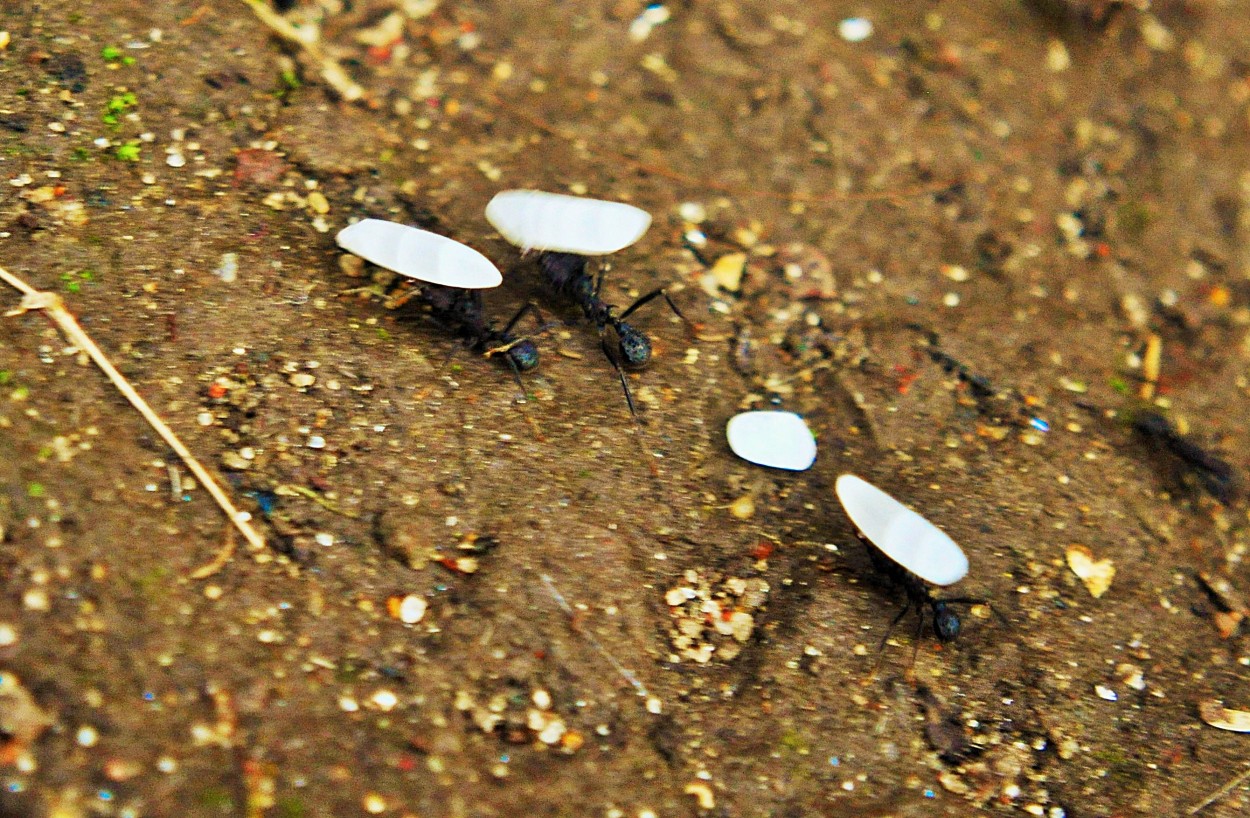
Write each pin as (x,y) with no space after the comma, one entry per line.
(1096,574)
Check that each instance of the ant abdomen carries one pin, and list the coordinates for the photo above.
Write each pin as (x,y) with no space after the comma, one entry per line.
(523,355)
(635,347)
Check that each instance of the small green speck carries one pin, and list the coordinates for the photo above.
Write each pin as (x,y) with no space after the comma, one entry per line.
(116,104)
(794,742)
(20,393)
(45,453)
(34,490)
(111,52)
(383,334)
(386,155)
(128,152)
(457,368)
(120,102)
(217,798)
(1119,385)
(291,807)
(6,376)
(80,154)
(1133,218)
(290,80)
(349,670)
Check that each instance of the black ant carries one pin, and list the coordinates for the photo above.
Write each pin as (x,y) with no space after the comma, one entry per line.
(1214,473)
(462,310)
(979,385)
(946,623)
(566,274)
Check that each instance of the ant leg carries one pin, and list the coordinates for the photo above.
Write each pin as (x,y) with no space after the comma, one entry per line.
(915,644)
(516,376)
(648,298)
(894,624)
(528,308)
(400,296)
(620,373)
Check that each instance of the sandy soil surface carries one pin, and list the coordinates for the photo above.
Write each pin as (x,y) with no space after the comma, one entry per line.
(969,249)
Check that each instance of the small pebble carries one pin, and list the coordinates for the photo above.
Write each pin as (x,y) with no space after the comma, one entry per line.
(702,794)
(228,269)
(384,700)
(412,609)
(1057,57)
(553,732)
(692,212)
(374,804)
(36,599)
(1106,693)
(855,29)
(87,736)
(743,508)
(318,202)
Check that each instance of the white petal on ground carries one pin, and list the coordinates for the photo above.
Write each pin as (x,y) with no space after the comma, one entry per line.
(780,440)
(558,223)
(419,254)
(902,535)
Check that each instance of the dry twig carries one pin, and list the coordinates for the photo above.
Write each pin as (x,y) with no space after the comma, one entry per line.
(51,304)
(1236,782)
(308,41)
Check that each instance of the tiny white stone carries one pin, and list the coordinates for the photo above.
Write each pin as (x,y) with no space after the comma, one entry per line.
(384,700)
(780,440)
(559,223)
(419,254)
(855,29)
(900,533)
(412,609)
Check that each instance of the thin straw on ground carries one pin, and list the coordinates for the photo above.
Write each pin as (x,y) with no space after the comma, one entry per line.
(51,303)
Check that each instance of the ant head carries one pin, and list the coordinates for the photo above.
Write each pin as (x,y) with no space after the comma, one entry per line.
(584,288)
(635,347)
(945,622)
(523,355)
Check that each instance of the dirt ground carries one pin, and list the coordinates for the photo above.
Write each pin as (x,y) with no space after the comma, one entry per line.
(957,247)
